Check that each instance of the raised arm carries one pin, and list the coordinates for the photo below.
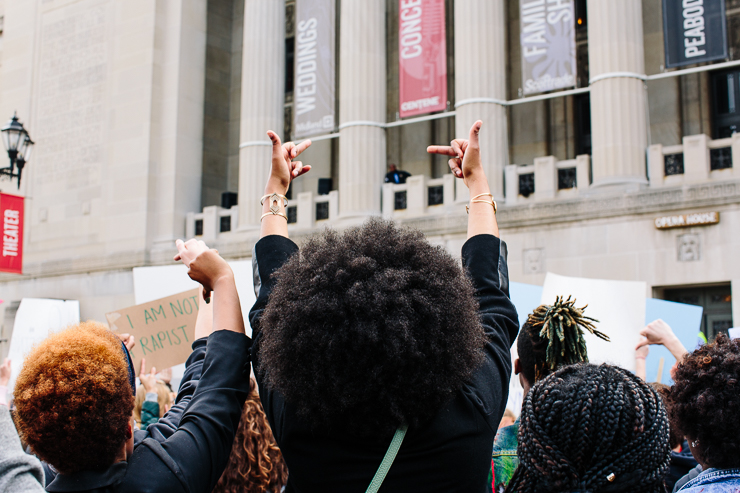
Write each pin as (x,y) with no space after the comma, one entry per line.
(484,258)
(198,450)
(284,170)
(465,163)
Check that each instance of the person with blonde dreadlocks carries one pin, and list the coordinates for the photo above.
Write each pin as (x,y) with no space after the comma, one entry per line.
(551,338)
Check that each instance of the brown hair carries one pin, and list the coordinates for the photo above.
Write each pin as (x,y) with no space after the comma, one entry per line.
(73,398)
(256,464)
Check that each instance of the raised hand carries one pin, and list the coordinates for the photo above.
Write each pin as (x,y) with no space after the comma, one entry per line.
(284,169)
(659,332)
(148,380)
(204,264)
(128,340)
(5,372)
(465,161)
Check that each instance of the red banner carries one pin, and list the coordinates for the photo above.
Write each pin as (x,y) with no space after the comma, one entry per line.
(422,56)
(11,211)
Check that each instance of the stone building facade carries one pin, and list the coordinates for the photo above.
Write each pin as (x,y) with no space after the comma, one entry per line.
(150,116)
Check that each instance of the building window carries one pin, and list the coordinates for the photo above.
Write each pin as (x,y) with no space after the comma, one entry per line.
(716,302)
(720,158)
(526,184)
(726,96)
(567,178)
(399,202)
(582,104)
(322,211)
(581,14)
(673,164)
(225,225)
(289,65)
(199,227)
(292,215)
(435,195)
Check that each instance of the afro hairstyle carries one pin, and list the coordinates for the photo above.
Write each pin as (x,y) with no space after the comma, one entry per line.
(369,329)
(74,400)
(704,401)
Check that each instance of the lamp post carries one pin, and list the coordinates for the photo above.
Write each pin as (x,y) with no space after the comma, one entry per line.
(19,145)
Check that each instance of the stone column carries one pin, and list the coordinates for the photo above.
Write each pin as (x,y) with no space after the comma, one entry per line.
(362,100)
(262,100)
(618,104)
(480,74)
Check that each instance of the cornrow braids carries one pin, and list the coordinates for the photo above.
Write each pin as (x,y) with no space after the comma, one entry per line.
(589,428)
(555,335)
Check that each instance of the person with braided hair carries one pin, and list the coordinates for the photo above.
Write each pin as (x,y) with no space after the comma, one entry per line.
(704,405)
(551,338)
(589,428)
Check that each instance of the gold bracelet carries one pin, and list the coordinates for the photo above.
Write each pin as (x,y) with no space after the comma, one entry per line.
(273,214)
(492,203)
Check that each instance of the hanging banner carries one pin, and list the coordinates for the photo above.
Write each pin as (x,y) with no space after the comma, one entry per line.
(548,44)
(11,211)
(422,57)
(313,92)
(695,31)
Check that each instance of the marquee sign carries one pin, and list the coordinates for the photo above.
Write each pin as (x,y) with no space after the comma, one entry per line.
(687,220)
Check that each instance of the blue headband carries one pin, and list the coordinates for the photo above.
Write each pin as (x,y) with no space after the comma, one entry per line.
(131,372)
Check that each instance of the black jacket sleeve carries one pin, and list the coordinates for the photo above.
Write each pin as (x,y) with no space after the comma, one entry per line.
(270,253)
(196,453)
(483,260)
(168,424)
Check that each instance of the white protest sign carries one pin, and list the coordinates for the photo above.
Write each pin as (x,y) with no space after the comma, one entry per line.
(35,320)
(619,306)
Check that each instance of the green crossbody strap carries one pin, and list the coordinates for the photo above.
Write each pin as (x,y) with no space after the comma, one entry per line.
(390,456)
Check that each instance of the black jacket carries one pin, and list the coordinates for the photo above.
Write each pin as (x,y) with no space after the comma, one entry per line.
(450,453)
(188,449)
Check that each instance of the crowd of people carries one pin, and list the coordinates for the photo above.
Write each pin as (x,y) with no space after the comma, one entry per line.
(376,363)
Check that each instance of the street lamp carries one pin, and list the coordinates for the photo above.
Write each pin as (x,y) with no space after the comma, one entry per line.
(19,145)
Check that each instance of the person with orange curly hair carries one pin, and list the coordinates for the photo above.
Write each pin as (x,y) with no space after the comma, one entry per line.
(74,400)
(256,464)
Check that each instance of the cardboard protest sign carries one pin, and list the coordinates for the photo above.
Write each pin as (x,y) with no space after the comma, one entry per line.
(164,329)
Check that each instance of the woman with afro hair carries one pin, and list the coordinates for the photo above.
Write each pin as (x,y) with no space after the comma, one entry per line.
(375,337)
(704,405)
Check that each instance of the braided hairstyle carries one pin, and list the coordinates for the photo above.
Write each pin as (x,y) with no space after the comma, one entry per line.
(593,429)
(552,337)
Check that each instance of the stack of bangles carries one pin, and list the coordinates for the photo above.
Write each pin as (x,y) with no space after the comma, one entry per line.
(475,199)
(275,199)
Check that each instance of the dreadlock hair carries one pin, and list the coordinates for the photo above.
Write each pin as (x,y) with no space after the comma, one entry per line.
(552,337)
(594,429)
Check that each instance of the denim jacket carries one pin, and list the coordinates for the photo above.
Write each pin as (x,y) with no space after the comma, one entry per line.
(714,481)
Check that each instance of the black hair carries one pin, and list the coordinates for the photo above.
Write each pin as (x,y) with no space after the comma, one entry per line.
(553,337)
(592,428)
(704,401)
(369,329)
